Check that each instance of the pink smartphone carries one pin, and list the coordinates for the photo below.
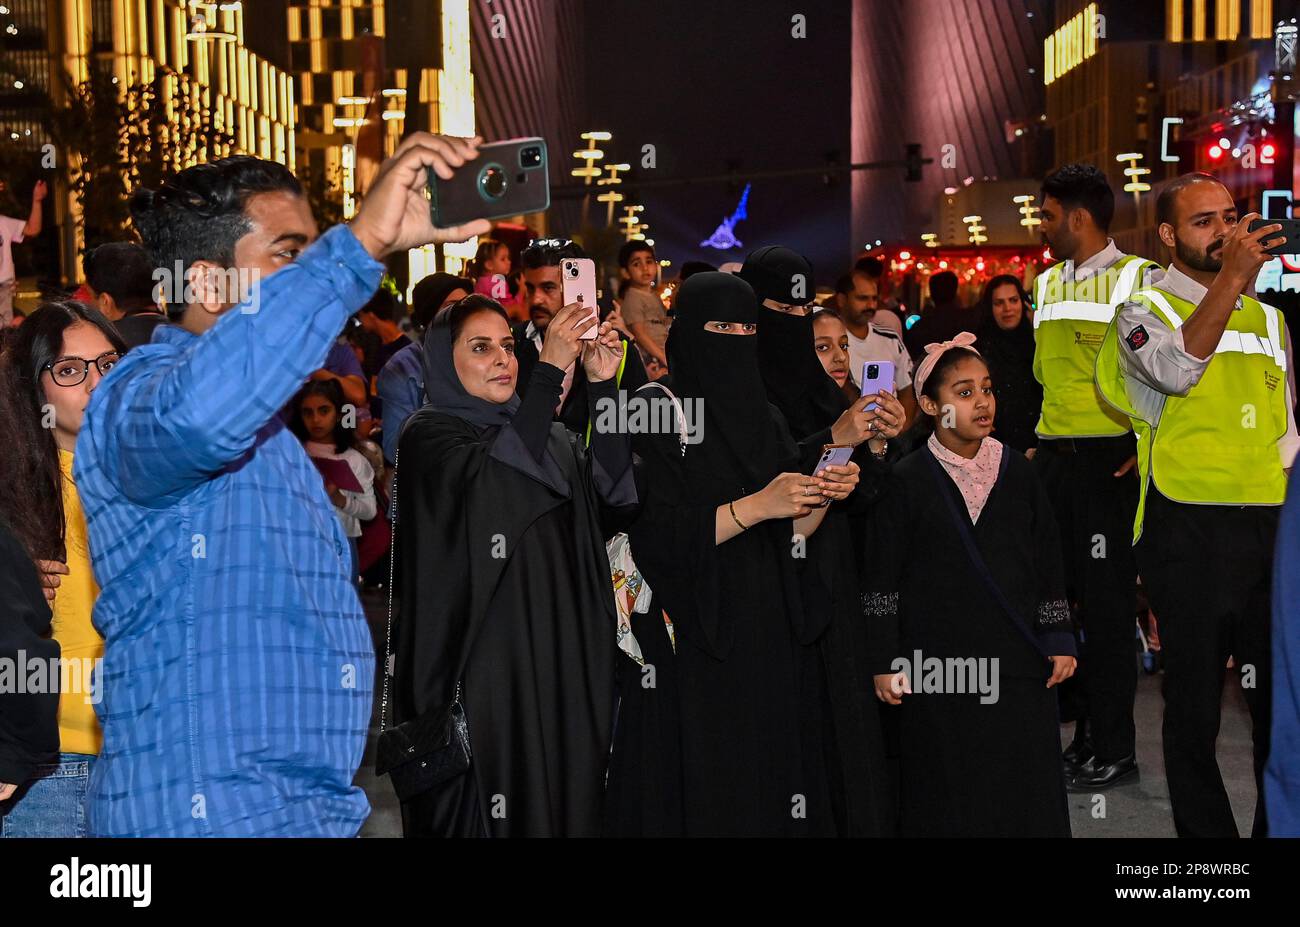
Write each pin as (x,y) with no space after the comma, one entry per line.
(877,377)
(834,455)
(578,279)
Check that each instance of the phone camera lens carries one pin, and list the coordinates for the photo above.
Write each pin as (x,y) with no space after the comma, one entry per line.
(492,181)
(872,371)
(530,157)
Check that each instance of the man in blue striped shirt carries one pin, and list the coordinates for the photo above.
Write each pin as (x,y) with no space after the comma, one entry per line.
(238,672)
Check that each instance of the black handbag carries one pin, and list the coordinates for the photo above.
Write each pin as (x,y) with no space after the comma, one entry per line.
(425,751)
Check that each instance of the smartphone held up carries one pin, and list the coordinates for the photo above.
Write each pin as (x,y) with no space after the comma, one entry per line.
(508,178)
(578,283)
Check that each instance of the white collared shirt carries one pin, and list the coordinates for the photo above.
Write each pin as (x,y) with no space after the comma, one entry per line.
(1163,367)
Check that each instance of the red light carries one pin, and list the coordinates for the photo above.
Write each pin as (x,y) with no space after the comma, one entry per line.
(943,265)
(979,265)
(1215,152)
(1047,254)
(904,255)
(1268,151)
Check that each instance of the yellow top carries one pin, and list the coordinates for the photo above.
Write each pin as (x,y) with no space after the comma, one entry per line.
(80,644)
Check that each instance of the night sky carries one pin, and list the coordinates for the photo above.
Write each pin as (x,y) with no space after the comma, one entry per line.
(714,82)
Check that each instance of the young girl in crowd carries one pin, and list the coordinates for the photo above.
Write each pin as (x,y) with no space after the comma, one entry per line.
(969,639)
(490,271)
(831,340)
(53,366)
(324,434)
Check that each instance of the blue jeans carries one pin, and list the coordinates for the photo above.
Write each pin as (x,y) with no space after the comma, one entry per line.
(52,803)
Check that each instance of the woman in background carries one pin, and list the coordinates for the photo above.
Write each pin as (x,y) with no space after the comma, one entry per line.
(61,353)
(1006,342)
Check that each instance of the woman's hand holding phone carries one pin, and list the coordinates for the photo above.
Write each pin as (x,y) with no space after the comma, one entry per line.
(789,495)
(563,341)
(837,482)
(857,424)
(602,355)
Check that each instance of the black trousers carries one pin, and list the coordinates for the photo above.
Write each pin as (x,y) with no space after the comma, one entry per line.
(1208,571)
(1094,510)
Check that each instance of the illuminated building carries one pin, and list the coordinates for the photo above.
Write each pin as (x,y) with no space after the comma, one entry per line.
(370,72)
(189,47)
(1169,82)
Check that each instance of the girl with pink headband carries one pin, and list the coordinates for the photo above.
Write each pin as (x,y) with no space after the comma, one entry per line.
(967,622)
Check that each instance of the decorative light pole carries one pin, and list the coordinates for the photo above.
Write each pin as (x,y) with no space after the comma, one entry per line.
(975,230)
(1135,184)
(590,170)
(1028,211)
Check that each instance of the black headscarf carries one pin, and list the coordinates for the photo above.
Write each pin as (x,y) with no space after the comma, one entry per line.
(740,435)
(446,394)
(795,380)
(443,387)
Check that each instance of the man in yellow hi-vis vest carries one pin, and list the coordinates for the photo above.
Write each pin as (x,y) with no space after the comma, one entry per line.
(1204,372)
(1084,459)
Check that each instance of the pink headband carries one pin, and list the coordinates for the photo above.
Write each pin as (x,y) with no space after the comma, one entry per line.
(935,350)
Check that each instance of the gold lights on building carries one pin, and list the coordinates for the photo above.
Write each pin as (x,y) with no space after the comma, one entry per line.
(1071,45)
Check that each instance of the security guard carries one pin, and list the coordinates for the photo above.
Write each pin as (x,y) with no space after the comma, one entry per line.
(1084,456)
(1205,374)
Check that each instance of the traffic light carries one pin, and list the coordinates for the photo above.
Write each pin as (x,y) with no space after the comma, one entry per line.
(913,161)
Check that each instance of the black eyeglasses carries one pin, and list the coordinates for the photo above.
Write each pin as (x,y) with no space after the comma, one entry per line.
(72,371)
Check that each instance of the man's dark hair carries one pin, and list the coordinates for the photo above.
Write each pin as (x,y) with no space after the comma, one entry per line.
(943,287)
(873,267)
(548,252)
(1167,201)
(383,305)
(198,214)
(630,248)
(1083,186)
(429,294)
(691,268)
(124,271)
(844,285)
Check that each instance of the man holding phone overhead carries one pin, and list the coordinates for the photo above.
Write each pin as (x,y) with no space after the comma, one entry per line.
(238,667)
(1206,375)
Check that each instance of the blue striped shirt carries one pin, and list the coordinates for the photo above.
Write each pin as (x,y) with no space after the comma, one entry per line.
(238,673)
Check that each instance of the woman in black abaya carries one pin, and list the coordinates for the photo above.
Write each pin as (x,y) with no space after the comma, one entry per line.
(714,542)
(814,408)
(505,575)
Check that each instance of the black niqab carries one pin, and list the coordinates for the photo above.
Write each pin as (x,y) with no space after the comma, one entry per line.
(795,380)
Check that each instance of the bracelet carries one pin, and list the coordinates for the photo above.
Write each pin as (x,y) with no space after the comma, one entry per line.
(731,507)
(883,451)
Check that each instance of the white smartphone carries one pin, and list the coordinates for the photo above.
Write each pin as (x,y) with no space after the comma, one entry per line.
(578,282)
(877,377)
(834,455)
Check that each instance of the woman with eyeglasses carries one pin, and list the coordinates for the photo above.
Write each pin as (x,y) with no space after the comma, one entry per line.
(51,368)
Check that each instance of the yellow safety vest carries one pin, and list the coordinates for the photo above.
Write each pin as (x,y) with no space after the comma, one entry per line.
(1070,322)
(1217,444)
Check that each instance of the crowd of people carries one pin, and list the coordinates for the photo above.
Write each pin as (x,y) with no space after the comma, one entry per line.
(801,602)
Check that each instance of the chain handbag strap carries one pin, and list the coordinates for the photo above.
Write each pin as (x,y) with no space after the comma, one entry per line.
(388,634)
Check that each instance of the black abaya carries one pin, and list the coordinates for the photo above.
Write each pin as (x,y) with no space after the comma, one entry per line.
(505,572)
(971,768)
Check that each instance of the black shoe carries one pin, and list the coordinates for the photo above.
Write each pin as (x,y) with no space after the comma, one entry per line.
(1094,777)
(1076,755)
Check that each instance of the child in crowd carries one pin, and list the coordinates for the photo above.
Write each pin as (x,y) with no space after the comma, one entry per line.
(643,311)
(326,436)
(831,341)
(490,271)
(970,637)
